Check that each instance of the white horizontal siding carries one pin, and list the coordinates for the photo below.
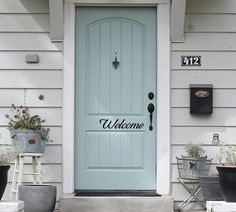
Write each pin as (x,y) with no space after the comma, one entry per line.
(24,6)
(201,134)
(206,42)
(24,23)
(220,79)
(16,60)
(30,79)
(220,117)
(24,29)
(34,41)
(211,6)
(52,97)
(210,23)
(210,32)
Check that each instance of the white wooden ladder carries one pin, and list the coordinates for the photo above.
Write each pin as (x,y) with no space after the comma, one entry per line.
(18,172)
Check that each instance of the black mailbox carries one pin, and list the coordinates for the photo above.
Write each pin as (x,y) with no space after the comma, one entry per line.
(201,99)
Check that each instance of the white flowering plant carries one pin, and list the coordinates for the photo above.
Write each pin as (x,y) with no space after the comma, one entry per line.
(7,154)
(226,155)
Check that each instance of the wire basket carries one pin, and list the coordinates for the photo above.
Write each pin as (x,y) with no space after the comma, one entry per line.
(193,168)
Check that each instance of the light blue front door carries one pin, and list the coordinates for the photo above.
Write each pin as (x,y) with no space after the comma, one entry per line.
(115,71)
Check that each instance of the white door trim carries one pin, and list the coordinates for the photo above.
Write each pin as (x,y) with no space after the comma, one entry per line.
(163,96)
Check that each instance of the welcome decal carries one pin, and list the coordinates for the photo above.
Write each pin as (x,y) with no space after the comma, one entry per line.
(120,124)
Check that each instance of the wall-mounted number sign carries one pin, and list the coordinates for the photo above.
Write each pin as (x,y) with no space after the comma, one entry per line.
(191,60)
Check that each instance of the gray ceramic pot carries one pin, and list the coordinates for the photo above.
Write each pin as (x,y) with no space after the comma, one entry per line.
(28,141)
(38,198)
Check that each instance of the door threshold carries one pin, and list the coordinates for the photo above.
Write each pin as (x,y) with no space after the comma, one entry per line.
(123,193)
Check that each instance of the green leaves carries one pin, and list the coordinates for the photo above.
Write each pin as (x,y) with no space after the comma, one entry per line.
(194,150)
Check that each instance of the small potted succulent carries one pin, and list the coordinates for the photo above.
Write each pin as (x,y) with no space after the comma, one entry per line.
(227,172)
(27,132)
(7,155)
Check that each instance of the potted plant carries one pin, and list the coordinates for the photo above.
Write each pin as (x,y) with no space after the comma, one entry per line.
(27,132)
(194,164)
(227,172)
(7,154)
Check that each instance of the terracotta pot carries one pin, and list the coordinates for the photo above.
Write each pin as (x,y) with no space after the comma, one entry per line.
(227,179)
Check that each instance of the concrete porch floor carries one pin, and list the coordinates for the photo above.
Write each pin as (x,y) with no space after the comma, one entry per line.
(70,203)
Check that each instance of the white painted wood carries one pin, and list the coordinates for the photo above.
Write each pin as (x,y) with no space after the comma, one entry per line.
(177,20)
(24,23)
(121,2)
(220,117)
(56,20)
(24,6)
(52,97)
(183,135)
(28,41)
(210,23)
(69,99)
(163,113)
(182,79)
(53,116)
(211,6)
(221,98)
(51,173)
(30,79)
(10,96)
(206,42)
(210,60)
(163,99)
(16,60)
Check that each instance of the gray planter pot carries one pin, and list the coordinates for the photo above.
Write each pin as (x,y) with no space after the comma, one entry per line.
(210,188)
(28,141)
(38,198)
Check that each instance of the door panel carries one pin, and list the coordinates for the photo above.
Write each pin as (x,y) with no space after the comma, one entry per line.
(114,148)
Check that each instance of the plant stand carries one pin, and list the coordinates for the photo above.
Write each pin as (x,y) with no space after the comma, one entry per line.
(193,193)
(18,172)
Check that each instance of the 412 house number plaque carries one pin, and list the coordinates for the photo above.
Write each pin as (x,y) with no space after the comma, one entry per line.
(191,60)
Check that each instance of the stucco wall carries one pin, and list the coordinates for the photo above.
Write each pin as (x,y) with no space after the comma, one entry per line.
(210,31)
(24,29)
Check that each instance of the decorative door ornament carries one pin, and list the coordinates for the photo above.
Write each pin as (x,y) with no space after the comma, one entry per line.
(115,63)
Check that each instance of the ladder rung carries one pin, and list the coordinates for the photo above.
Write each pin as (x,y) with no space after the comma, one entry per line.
(30,174)
(14,190)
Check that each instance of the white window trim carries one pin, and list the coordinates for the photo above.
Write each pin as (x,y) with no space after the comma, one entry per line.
(163,93)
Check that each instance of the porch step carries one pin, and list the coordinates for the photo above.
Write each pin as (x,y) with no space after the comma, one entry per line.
(71,203)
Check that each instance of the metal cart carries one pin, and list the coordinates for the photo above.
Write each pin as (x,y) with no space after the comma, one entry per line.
(190,169)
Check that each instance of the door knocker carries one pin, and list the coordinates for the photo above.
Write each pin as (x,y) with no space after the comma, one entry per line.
(115,63)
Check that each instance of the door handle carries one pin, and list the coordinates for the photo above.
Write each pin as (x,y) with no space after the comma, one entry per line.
(151,108)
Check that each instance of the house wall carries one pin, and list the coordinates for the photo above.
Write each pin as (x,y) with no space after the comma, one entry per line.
(210,31)
(24,29)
